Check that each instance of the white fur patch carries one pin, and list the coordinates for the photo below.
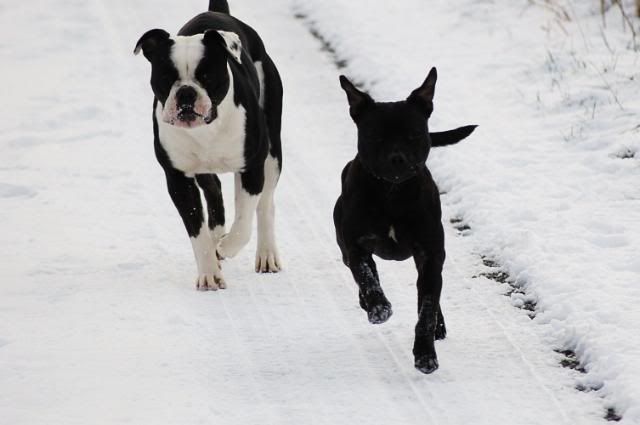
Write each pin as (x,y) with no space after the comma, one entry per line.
(214,148)
(233,44)
(209,273)
(392,234)
(186,54)
(217,234)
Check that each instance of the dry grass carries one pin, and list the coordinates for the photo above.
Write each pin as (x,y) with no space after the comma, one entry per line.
(603,5)
(562,11)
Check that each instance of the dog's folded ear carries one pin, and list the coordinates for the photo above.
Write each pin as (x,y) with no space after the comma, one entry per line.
(358,101)
(423,95)
(229,40)
(150,41)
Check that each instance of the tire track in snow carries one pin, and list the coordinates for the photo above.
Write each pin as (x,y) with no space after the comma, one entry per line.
(515,347)
(242,348)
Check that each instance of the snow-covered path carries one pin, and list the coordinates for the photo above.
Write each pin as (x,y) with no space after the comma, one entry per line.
(99,320)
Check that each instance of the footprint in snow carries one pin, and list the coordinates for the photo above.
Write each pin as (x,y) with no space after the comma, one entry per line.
(14,191)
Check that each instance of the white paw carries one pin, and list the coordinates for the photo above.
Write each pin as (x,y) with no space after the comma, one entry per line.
(232,243)
(268,261)
(210,282)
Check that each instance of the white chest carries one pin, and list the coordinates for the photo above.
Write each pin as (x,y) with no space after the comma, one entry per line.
(214,148)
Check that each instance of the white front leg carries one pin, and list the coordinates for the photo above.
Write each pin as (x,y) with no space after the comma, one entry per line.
(209,273)
(240,232)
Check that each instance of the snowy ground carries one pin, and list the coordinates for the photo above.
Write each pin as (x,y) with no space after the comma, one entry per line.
(99,320)
(549,184)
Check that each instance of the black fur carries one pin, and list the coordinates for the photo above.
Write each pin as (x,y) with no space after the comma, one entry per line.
(220,6)
(390,207)
(451,137)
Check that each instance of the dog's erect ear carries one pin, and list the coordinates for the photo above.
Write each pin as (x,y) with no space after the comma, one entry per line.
(423,96)
(358,100)
(150,41)
(451,137)
(229,40)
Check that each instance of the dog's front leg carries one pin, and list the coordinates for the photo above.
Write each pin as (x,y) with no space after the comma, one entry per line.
(248,187)
(212,189)
(441,329)
(186,197)
(429,289)
(372,298)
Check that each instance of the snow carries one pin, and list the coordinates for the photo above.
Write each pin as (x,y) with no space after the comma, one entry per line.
(101,322)
(544,184)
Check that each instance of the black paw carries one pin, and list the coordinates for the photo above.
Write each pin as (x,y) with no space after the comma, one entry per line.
(441,331)
(427,363)
(363,303)
(379,313)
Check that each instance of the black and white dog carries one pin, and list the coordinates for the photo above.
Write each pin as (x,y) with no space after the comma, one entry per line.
(390,206)
(217,109)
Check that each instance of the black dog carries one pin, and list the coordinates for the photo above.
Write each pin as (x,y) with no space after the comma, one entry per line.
(217,109)
(390,206)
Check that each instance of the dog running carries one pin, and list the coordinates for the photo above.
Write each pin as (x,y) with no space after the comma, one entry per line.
(390,206)
(217,108)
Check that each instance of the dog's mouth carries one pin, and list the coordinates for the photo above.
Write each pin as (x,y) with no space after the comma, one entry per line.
(188,114)
(391,173)
(397,177)
(188,117)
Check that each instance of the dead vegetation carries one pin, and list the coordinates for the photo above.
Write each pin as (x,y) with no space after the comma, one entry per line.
(563,12)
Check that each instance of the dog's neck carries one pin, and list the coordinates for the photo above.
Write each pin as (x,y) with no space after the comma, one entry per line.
(386,185)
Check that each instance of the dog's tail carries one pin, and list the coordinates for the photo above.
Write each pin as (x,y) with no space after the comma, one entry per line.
(220,6)
(451,137)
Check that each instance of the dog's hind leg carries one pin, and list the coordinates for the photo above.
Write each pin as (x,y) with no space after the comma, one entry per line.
(271,93)
(248,187)
(267,257)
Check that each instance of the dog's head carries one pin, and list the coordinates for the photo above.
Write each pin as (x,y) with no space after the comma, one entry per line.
(190,75)
(393,138)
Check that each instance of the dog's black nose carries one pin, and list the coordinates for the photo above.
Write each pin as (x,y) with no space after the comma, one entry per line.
(398,160)
(186,96)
